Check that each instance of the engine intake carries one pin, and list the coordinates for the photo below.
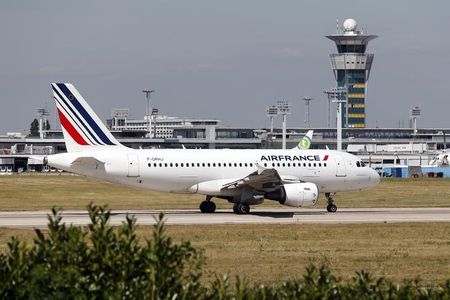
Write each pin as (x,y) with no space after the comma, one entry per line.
(295,194)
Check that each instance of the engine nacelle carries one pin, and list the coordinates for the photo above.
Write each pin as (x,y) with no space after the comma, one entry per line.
(296,194)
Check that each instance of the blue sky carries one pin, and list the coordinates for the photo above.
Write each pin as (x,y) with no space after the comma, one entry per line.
(220,59)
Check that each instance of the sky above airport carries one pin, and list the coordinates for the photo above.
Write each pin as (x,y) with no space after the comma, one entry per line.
(223,60)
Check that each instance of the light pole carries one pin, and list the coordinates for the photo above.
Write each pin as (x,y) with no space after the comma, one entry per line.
(271,111)
(284,109)
(307,100)
(415,113)
(338,95)
(148,94)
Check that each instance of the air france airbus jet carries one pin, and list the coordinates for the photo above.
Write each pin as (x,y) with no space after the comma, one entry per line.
(244,177)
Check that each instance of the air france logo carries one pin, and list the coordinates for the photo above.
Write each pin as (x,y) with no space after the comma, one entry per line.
(293,158)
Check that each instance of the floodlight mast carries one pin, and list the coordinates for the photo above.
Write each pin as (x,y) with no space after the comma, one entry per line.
(339,96)
(307,100)
(415,113)
(284,109)
(148,94)
(42,113)
(271,112)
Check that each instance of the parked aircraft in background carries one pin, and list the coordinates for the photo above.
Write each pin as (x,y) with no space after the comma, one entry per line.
(441,160)
(291,177)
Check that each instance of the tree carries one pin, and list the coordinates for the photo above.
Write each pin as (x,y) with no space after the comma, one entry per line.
(47,125)
(34,128)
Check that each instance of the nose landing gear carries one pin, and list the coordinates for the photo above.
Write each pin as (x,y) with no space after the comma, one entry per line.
(330,207)
(207,206)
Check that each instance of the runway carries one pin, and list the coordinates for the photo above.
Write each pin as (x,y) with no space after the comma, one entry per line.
(28,219)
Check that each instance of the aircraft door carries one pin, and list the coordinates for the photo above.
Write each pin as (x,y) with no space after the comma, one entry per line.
(133,165)
(340,166)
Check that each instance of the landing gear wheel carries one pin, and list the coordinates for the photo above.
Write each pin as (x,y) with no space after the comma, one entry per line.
(241,208)
(331,208)
(207,207)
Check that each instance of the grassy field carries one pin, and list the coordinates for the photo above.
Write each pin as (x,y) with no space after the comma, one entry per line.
(272,253)
(41,192)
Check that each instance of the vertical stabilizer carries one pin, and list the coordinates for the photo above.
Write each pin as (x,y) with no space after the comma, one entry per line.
(81,127)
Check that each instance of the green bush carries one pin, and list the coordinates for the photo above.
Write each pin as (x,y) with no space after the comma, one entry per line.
(100,262)
(104,262)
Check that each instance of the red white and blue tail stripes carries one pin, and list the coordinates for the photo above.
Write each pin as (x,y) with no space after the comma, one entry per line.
(81,126)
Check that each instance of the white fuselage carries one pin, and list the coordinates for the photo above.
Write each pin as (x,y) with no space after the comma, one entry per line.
(182,170)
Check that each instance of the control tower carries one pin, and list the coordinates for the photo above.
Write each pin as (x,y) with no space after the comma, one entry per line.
(351,67)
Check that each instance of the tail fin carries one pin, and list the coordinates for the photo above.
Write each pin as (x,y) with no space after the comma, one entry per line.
(81,127)
(305,142)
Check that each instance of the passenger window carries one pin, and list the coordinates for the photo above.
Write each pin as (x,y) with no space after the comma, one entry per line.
(324,164)
(149,165)
(160,164)
(320,165)
(209,164)
(245,165)
(154,164)
(357,164)
(165,165)
(181,165)
(214,164)
(203,164)
(251,165)
(171,165)
(278,164)
(284,164)
(176,165)
(219,164)
(240,164)
(309,164)
(304,164)
(265,164)
(235,164)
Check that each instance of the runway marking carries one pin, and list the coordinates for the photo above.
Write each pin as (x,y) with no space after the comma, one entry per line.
(27,219)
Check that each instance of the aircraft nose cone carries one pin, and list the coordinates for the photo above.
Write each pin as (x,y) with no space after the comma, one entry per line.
(374,177)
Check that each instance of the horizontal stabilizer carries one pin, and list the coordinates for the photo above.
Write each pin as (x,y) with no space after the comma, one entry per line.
(88,162)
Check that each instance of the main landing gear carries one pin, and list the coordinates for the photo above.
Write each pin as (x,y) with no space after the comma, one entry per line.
(330,207)
(207,206)
(241,208)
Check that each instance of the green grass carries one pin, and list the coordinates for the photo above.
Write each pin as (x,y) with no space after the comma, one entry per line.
(272,253)
(42,192)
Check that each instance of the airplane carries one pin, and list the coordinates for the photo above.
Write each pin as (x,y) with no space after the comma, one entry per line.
(441,159)
(292,177)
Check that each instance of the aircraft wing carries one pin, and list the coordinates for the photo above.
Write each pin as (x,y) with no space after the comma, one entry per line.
(88,162)
(261,180)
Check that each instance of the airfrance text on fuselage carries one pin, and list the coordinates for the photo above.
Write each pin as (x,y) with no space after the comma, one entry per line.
(292,158)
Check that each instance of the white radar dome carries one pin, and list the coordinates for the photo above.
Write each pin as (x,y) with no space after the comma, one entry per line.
(350,25)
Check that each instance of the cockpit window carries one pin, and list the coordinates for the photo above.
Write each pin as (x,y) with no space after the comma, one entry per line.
(360,164)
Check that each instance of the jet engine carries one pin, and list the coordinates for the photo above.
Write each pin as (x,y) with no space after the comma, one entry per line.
(295,194)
